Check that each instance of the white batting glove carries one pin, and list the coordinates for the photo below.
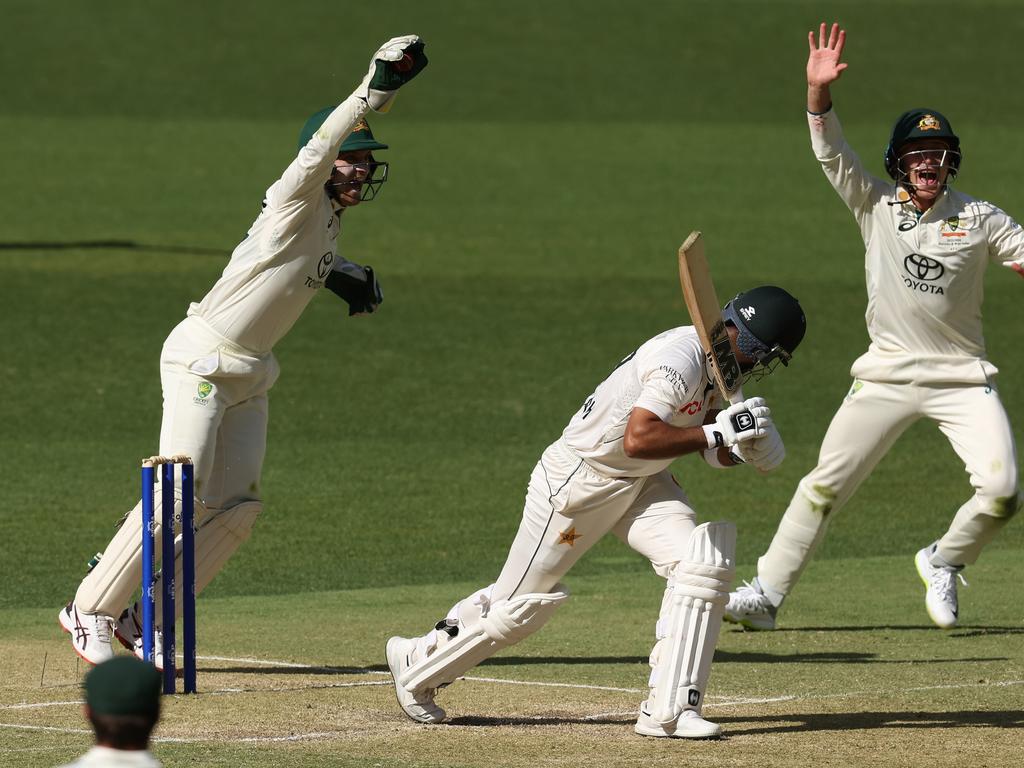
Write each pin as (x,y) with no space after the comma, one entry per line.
(739,423)
(766,453)
(397,62)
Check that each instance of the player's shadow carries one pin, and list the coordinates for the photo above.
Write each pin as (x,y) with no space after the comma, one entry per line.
(775,724)
(860,721)
(741,657)
(277,669)
(966,630)
(108,245)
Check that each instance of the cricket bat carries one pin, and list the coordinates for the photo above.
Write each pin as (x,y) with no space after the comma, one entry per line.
(706,313)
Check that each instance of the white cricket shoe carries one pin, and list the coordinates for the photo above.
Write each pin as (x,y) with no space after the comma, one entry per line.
(750,607)
(90,633)
(418,706)
(689,725)
(940,599)
(128,630)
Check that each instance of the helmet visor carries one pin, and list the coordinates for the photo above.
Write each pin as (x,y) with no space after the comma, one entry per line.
(367,177)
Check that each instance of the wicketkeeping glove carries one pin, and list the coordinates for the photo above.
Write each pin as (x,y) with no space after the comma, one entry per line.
(739,423)
(361,292)
(766,453)
(397,62)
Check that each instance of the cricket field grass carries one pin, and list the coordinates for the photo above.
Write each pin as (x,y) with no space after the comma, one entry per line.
(544,169)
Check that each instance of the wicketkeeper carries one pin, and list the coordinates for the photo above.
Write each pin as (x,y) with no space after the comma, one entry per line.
(217,365)
(927,249)
(609,472)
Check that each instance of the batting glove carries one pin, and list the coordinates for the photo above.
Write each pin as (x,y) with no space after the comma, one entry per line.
(766,453)
(739,423)
(397,62)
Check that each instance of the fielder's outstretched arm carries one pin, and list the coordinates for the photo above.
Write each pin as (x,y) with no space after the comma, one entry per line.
(823,66)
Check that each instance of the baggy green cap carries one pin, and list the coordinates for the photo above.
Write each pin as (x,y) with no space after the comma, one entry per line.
(360,138)
(123,685)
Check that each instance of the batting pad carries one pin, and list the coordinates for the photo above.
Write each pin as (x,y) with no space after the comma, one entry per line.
(108,588)
(223,532)
(506,623)
(691,617)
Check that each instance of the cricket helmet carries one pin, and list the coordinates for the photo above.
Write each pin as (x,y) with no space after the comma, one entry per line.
(918,124)
(771,325)
(361,138)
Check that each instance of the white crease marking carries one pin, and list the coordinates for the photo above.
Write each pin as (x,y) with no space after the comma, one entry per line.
(716,702)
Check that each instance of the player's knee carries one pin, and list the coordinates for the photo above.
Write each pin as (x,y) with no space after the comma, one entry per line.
(999,492)
(1004,506)
(820,498)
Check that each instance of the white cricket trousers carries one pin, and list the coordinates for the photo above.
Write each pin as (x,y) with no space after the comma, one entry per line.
(873,415)
(215,410)
(570,506)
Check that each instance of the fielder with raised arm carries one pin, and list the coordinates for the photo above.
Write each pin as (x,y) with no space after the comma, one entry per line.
(927,249)
(609,472)
(217,365)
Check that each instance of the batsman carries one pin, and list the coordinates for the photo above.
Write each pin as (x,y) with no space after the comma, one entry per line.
(217,366)
(927,247)
(609,472)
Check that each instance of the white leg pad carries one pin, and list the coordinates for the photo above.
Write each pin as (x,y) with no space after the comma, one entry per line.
(504,623)
(221,533)
(109,586)
(691,617)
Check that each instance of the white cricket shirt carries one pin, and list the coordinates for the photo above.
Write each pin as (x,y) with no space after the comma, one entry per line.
(290,248)
(924,275)
(667,376)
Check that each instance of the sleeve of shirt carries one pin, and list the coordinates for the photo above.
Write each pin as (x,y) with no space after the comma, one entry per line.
(668,385)
(305,177)
(844,170)
(1006,241)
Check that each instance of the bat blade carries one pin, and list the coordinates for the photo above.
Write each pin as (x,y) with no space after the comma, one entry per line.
(706,314)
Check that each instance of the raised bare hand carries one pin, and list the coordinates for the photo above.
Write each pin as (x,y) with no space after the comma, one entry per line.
(823,65)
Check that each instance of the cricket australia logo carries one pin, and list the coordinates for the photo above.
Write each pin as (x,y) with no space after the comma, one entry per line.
(747,312)
(929,123)
(921,272)
(203,391)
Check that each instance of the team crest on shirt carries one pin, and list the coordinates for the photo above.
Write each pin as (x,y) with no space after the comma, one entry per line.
(929,123)
(954,232)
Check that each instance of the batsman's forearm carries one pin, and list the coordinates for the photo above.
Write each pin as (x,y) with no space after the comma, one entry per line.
(657,440)
(819,98)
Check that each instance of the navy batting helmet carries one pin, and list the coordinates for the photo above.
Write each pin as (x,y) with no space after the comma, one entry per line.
(771,325)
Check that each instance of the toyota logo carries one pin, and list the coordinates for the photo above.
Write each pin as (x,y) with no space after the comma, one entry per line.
(324,266)
(923,268)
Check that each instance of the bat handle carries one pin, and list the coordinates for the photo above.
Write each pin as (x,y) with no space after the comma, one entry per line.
(737,397)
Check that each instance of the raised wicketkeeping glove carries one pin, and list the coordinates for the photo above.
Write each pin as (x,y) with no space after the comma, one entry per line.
(397,62)
(739,423)
(766,453)
(361,292)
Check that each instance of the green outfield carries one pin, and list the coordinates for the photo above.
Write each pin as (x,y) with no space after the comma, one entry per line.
(544,170)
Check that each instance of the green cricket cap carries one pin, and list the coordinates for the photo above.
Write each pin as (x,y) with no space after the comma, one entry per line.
(123,685)
(360,138)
